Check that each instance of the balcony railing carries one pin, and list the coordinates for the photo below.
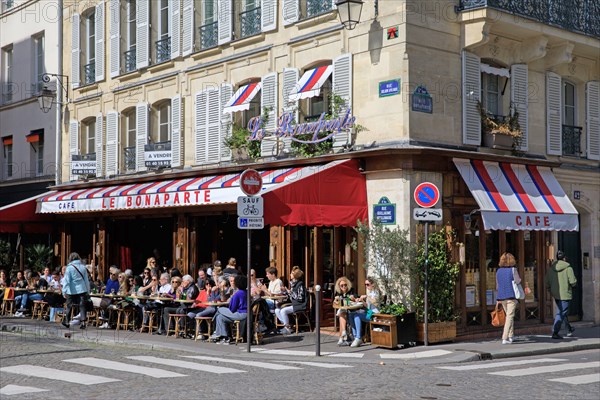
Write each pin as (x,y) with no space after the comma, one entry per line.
(130,61)
(574,15)
(163,50)
(317,7)
(209,35)
(89,71)
(129,158)
(571,140)
(250,22)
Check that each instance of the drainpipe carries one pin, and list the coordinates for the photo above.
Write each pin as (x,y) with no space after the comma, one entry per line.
(59,95)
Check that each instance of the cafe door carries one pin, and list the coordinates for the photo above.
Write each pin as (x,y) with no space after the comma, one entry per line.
(570,244)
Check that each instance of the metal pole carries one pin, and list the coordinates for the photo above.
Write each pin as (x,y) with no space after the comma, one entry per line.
(59,100)
(249,297)
(426,342)
(318,319)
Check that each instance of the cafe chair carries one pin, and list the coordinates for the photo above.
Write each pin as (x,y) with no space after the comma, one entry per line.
(177,319)
(199,321)
(8,305)
(148,321)
(40,309)
(306,315)
(125,317)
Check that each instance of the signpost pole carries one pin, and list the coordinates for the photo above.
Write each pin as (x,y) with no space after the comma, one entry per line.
(249,297)
(318,319)
(425,300)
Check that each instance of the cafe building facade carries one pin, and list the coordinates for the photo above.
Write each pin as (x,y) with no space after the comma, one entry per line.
(148,168)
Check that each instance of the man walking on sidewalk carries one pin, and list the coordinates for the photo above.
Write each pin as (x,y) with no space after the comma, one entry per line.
(560,279)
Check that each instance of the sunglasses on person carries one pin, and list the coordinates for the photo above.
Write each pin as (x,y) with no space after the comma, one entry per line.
(343,285)
(146,272)
(175,282)
(367,284)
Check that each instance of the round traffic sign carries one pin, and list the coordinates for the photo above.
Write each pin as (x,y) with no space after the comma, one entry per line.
(427,194)
(251,182)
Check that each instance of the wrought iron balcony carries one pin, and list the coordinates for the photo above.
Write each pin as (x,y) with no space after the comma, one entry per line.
(571,140)
(317,7)
(574,15)
(250,22)
(129,158)
(163,50)
(89,71)
(209,35)
(130,61)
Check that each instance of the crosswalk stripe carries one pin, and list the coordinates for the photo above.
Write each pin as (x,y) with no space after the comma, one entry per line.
(293,352)
(119,366)
(546,369)
(186,365)
(319,365)
(59,375)
(256,364)
(346,355)
(9,390)
(417,354)
(579,379)
(501,364)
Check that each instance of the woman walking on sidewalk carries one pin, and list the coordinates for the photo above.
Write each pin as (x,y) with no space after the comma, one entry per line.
(505,275)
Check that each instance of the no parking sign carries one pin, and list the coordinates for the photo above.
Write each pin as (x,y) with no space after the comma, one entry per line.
(426,195)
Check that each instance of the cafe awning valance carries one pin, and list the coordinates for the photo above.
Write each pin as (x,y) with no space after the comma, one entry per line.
(518,197)
(330,194)
(21,217)
(242,97)
(310,83)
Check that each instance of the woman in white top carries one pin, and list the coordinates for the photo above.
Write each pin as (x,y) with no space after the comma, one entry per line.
(371,301)
(274,288)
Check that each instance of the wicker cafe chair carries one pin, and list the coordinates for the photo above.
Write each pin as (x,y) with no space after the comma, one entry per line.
(199,321)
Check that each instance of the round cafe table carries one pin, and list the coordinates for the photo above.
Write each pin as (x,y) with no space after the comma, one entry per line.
(351,307)
(275,297)
(215,304)
(108,296)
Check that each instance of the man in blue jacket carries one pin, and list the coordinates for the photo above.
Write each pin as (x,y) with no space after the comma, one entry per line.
(75,290)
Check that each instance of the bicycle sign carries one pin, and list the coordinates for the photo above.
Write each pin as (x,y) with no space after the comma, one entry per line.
(250,206)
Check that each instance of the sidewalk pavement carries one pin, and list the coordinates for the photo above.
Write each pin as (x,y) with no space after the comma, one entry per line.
(587,336)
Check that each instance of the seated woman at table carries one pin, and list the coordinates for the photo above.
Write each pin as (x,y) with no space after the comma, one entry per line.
(225,289)
(26,297)
(207,295)
(187,291)
(371,301)
(4,281)
(237,311)
(274,287)
(21,284)
(298,297)
(255,285)
(343,291)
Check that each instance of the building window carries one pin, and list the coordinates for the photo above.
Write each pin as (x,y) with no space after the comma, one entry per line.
(8,158)
(569,103)
(38,62)
(7,4)
(249,19)
(90,48)
(312,8)
(209,25)
(163,42)
(88,137)
(490,94)
(130,32)
(163,119)
(571,134)
(7,66)
(40,157)
(36,142)
(128,140)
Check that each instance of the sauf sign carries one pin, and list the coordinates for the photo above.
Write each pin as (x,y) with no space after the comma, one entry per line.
(319,130)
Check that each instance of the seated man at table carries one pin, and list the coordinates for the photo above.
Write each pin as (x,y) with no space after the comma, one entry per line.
(188,290)
(274,288)
(237,311)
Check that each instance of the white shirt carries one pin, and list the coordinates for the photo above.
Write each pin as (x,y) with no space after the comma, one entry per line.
(275,286)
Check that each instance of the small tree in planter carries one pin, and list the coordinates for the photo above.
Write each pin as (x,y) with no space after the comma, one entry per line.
(442,278)
(38,256)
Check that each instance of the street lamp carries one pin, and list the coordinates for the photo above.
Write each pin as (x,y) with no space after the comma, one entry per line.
(47,96)
(45,99)
(349,12)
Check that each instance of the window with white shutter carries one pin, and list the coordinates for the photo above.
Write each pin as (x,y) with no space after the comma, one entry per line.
(225,125)
(592,95)
(99,145)
(519,82)
(342,86)
(187,27)
(268,15)
(209,25)
(99,45)
(471,86)
(115,38)
(270,145)
(290,79)
(225,28)
(75,51)
(553,114)
(142,48)
(290,11)
(200,133)
(127,142)
(112,143)
(176,132)
(175,14)
(141,128)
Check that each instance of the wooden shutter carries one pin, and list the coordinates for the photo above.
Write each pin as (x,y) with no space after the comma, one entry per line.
(175,25)
(99,41)
(99,145)
(142,47)
(112,143)
(592,101)
(268,98)
(73,143)
(342,86)
(519,82)
(268,15)
(115,38)
(75,52)
(187,31)
(553,114)
(225,128)
(471,89)
(290,79)
(141,130)
(201,108)
(291,11)
(176,132)
(225,21)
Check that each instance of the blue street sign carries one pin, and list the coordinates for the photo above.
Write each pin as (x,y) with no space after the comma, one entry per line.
(385,212)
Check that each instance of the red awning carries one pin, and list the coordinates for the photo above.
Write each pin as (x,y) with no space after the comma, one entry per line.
(34,137)
(334,196)
(20,217)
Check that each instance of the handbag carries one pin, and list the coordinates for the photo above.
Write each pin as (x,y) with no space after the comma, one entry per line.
(498,315)
(518,289)
(86,296)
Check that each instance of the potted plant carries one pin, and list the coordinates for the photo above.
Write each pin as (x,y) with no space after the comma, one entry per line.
(389,258)
(442,279)
(242,148)
(38,256)
(500,132)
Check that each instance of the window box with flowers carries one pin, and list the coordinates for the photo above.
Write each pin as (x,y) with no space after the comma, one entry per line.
(499,131)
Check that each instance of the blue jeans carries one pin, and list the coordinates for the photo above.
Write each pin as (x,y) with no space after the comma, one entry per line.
(25,297)
(356,319)
(224,318)
(562,312)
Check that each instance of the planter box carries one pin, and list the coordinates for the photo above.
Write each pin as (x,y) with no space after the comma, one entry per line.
(437,332)
(389,330)
(498,141)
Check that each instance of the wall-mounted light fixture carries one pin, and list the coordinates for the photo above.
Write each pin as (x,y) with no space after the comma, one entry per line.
(551,252)
(272,251)
(349,12)
(348,254)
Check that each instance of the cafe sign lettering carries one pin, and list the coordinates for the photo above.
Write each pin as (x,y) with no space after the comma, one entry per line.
(319,130)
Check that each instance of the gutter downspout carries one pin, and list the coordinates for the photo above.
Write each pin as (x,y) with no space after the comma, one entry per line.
(59,105)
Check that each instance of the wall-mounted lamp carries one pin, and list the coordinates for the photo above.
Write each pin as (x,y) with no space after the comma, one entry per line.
(47,97)
(551,251)
(348,254)
(349,12)
(178,251)
(98,249)
(461,253)
(272,250)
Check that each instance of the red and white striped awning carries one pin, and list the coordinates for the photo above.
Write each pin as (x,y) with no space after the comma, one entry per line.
(310,83)
(242,97)
(330,194)
(518,197)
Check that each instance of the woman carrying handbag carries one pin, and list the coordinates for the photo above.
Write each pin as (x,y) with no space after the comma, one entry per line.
(505,275)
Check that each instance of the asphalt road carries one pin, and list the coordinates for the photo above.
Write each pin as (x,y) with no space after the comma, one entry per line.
(114,372)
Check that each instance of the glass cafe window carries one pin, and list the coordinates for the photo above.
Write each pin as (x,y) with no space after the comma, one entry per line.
(529,280)
(472,272)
